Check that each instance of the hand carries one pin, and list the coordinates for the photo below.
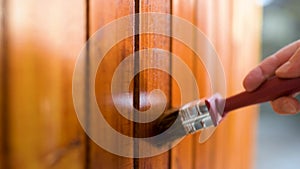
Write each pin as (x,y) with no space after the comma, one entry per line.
(284,64)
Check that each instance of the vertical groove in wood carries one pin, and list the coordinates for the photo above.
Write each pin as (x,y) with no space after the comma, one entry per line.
(44,39)
(170,154)
(136,80)
(153,79)
(103,12)
(87,97)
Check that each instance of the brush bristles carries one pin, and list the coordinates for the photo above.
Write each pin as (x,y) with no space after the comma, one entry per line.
(167,119)
(170,126)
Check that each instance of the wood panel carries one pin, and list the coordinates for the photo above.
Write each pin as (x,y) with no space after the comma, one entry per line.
(44,39)
(246,44)
(203,155)
(219,23)
(222,26)
(2,79)
(216,20)
(183,154)
(101,13)
(153,79)
(223,18)
(213,148)
(145,82)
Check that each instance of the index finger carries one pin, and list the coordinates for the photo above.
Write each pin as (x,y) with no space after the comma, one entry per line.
(268,66)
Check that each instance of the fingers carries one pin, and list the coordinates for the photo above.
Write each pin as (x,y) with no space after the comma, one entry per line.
(263,71)
(285,64)
(291,69)
(286,105)
(268,66)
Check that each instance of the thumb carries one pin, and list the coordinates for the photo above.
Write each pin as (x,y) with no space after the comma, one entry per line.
(290,69)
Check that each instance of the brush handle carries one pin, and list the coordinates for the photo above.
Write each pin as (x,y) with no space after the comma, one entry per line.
(270,90)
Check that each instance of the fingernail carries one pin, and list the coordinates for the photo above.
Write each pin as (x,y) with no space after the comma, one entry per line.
(284,68)
(289,108)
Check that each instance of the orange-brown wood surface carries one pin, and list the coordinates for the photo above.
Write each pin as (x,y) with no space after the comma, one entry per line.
(148,80)
(43,41)
(221,22)
(102,12)
(2,109)
(183,154)
(39,43)
(217,20)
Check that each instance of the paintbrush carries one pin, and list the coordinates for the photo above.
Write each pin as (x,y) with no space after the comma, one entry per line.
(208,113)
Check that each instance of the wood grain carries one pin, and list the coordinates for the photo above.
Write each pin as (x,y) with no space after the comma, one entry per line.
(44,39)
(216,20)
(227,145)
(2,80)
(222,36)
(101,13)
(37,58)
(246,44)
(183,154)
(153,79)
(203,152)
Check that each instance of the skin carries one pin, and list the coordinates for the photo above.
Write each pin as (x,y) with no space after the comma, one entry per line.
(285,64)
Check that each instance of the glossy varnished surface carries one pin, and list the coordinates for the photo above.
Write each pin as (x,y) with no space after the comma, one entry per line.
(102,12)
(217,20)
(154,79)
(2,109)
(183,154)
(43,41)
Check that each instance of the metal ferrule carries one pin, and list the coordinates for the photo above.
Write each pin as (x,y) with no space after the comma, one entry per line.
(195,116)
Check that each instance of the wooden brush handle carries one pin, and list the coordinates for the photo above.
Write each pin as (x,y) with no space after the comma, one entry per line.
(270,90)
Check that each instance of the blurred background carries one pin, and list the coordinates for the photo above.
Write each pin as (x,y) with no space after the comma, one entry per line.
(278,144)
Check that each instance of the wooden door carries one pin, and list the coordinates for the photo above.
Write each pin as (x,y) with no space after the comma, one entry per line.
(40,42)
